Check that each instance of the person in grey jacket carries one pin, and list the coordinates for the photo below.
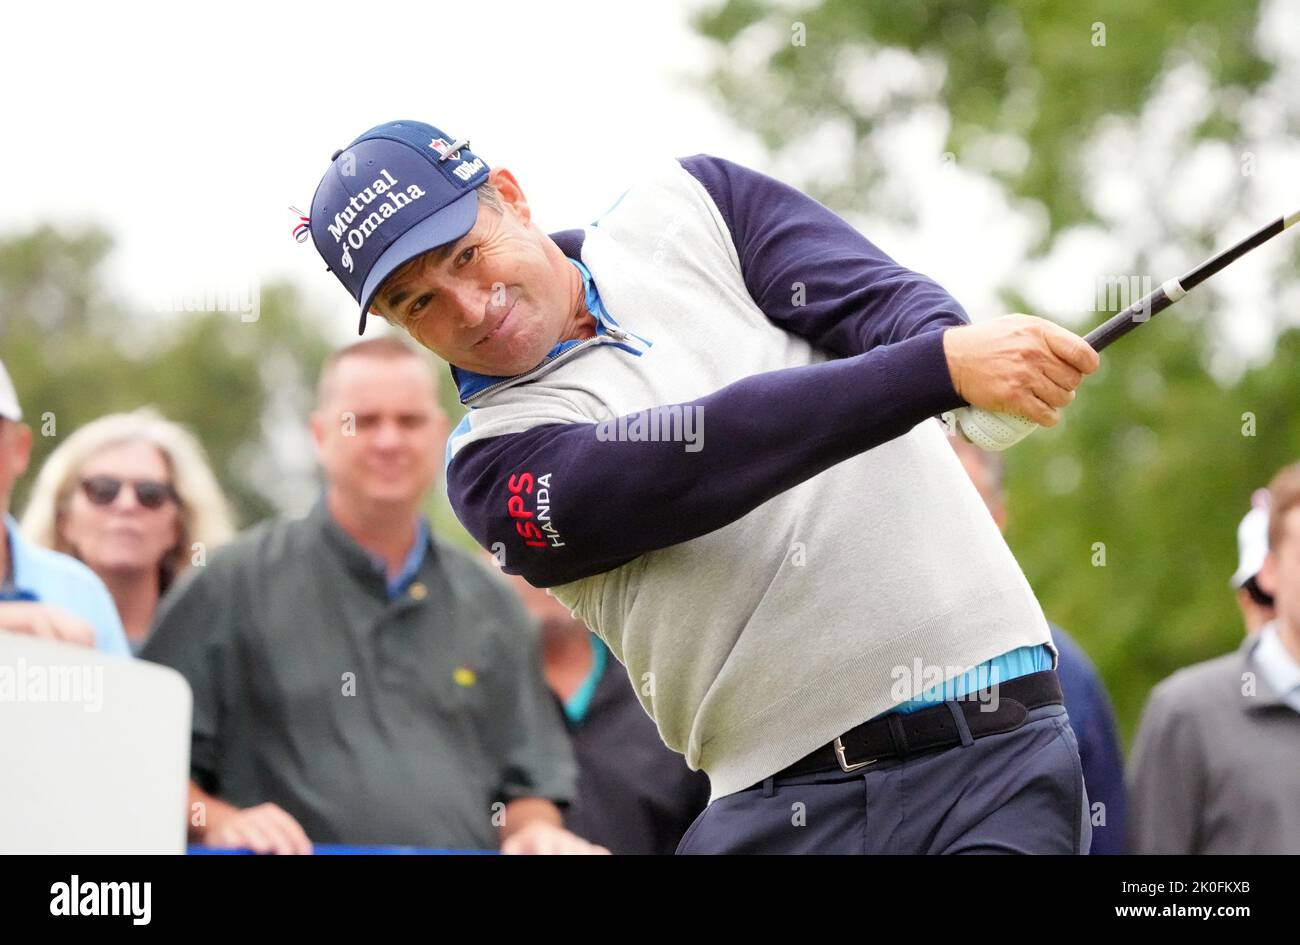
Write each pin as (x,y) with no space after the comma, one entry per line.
(1216,764)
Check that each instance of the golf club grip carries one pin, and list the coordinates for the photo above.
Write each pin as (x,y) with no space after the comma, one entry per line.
(1156,302)
(1120,325)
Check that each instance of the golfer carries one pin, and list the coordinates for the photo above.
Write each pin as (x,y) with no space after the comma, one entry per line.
(701,421)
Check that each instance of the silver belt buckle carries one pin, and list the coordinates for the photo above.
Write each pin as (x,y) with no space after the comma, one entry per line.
(844,762)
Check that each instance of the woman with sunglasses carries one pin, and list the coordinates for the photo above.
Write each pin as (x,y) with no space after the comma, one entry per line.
(132,496)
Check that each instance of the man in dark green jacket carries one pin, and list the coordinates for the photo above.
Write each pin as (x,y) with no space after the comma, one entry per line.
(357,680)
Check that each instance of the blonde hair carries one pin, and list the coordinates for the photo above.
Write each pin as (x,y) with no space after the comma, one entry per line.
(204,513)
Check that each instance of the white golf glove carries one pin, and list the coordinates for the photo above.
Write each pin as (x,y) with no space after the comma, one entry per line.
(988,430)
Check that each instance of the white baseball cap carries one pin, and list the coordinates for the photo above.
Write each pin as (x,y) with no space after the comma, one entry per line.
(1252,539)
(9,408)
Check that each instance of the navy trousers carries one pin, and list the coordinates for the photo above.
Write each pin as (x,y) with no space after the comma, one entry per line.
(1018,792)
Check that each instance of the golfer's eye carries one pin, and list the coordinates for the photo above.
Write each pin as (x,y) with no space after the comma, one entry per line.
(466,255)
(419,304)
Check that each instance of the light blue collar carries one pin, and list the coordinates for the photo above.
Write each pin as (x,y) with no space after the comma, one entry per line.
(1275,661)
(411,566)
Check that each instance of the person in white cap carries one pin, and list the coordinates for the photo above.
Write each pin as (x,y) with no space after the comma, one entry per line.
(1215,766)
(1256,605)
(44,593)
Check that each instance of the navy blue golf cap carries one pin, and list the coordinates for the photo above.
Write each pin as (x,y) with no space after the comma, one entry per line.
(401,189)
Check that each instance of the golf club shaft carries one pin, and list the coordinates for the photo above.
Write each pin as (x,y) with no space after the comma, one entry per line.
(1170,292)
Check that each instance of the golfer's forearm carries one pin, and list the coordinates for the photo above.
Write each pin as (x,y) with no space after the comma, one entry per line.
(566,501)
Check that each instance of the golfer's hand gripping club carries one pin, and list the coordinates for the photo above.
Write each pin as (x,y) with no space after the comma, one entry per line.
(989,431)
(994,426)
(1016,373)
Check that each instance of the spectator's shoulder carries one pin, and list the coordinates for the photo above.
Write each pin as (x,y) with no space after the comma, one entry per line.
(452,557)
(67,570)
(1084,690)
(1195,687)
(1069,647)
(264,544)
(467,570)
(254,551)
(482,583)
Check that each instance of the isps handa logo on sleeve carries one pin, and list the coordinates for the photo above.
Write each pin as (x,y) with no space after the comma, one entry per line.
(529,507)
(78,898)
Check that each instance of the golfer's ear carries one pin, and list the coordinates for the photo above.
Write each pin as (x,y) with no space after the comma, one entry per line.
(512,195)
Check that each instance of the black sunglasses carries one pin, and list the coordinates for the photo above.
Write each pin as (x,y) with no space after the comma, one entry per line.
(103,490)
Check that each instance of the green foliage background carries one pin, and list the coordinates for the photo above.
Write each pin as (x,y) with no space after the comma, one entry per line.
(76,353)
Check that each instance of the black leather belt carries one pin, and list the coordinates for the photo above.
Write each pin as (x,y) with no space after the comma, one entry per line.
(901,735)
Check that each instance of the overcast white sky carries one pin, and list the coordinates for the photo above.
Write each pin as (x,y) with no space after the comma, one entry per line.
(187,131)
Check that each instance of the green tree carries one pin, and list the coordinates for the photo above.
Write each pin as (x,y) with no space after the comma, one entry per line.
(1040,72)
(244,387)
(75,354)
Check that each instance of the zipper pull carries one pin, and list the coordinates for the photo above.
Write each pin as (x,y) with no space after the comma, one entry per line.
(615,332)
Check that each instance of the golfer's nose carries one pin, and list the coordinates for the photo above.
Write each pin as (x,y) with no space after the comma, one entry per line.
(469,305)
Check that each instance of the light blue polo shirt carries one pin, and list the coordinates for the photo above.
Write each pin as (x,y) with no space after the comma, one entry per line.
(39,574)
(1018,662)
